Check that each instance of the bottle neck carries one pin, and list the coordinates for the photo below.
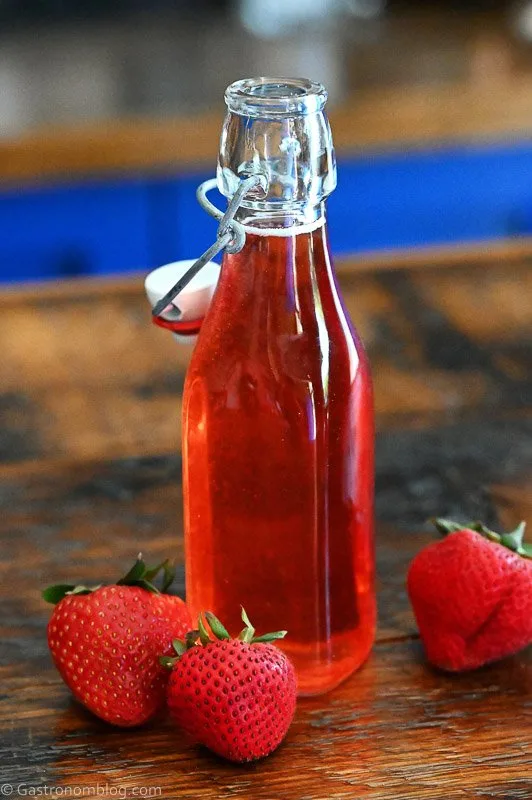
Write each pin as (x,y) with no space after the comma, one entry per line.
(277,127)
(274,258)
(274,285)
(287,222)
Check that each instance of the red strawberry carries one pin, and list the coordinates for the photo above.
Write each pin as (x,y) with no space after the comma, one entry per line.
(472,595)
(235,696)
(106,642)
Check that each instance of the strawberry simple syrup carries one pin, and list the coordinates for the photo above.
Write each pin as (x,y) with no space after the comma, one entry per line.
(278,459)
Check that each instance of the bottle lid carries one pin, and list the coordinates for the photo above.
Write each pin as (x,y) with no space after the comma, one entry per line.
(183,317)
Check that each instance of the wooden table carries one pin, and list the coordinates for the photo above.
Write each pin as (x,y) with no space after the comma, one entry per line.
(88,443)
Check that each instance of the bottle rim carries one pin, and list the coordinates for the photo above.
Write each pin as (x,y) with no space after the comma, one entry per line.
(275,97)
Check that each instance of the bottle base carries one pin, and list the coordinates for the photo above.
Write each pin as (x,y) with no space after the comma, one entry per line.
(321,672)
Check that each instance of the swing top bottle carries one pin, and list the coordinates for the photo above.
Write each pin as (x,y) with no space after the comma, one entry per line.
(278,411)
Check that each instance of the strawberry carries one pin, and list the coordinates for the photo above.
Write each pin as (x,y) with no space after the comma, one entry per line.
(106,642)
(472,595)
(235,696)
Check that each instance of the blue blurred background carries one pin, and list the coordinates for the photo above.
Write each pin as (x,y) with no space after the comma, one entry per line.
(67,66)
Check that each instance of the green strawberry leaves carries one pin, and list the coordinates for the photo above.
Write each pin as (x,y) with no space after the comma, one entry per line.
(136,573)
(248,634)
(168,574)
(249,631)
(142,575)
(216,626)
(139,575)
(208,620)
(512,540)
(269,637)
(203,632)
(53,594)
(179,646)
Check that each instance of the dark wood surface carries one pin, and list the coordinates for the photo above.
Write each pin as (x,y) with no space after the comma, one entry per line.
(89,442)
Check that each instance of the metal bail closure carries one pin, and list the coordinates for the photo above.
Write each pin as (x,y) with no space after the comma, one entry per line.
(179,296)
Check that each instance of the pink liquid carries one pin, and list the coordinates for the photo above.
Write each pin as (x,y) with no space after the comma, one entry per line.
(278,459)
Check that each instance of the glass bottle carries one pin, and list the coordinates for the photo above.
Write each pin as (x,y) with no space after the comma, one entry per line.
(278,411)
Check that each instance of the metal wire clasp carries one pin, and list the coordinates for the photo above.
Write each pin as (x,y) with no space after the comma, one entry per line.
(230,236)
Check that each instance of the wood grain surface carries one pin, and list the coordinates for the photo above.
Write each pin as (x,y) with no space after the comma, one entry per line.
(397,729)
(85,375)
(90,474)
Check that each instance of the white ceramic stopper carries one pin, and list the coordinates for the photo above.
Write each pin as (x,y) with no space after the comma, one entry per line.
(190,304)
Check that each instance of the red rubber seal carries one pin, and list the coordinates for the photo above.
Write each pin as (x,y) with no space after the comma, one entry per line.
(184,328)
